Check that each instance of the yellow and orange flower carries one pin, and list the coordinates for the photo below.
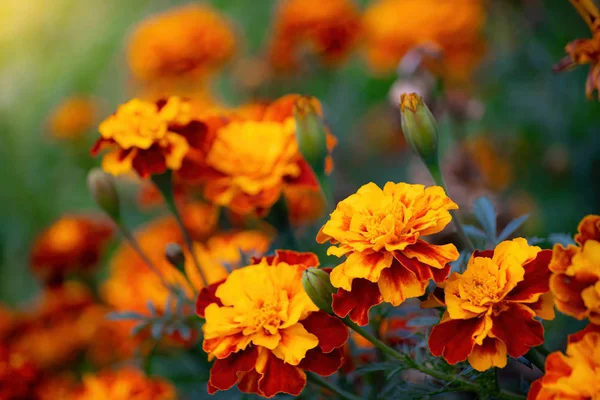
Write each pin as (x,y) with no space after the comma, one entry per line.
(574,376)
(380,232)
(575,280)
(188,42)
(132,283)
(73,117)
(264,330)
(492,307)
(453,28)
(330,30)
(148,137)
(243,177)
(125,384)
(585,51)
(74,243)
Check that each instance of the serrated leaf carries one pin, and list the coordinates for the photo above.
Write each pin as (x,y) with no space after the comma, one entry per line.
(151,308)
(485,212)
(534,240)
(382,366)
(511,227)
(157,330)
(474,232)
(561,238)
(120,316)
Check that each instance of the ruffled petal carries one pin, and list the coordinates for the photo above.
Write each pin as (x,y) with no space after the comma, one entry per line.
(279,377)
(324,364)
(295,342)
(518,329)
(206,297)
(357,303)
(436,256)
(224,372)
(588,229)
(535,281)
(398,283)
(454,339)
(331,332)
(492,353)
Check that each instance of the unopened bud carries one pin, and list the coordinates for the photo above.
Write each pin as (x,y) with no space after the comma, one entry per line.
(103,189)
(310,133)
(419,127)
(174,254)
(318,286)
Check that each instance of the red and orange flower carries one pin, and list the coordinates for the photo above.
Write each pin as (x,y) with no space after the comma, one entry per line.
(575,280)
(73,117)
(329,30)
(492,307)
(188,42)
(148,137)
(72,244)
(264,330)
(574,376)
(125,384)
(240,176)
(380,233)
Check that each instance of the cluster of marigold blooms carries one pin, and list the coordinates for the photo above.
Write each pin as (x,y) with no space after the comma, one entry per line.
(261,327)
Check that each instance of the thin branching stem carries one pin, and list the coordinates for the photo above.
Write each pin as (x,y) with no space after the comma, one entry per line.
(319,381)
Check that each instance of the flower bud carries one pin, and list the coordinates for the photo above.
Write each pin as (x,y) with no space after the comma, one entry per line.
(174,254)
(310,133)
(319,288)
(103,189)
(419,127)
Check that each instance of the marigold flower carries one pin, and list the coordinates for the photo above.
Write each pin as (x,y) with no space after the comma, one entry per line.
(72,118)
(574,376)
(329,30)
(187,42)
(125,384)
(74,243)
(18,375)
(491,307)
(585,51)
(394,27)
(148,137)
(575,280)
(240,176)
(264,330)
(132,283)
(379,231)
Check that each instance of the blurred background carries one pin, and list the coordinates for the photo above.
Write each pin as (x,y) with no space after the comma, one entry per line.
(511,130)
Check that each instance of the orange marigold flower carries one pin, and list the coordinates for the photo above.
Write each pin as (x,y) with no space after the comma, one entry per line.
(304,204)
(18,375)
(379,231)
(125,384)
(585,51)
(491,307)
(574,376)
(187,42)
(132,283)
(74,243)
(328,29)
(575,280)
(148,137)
(454,28)
(73,117)
(241,176)
(264,330)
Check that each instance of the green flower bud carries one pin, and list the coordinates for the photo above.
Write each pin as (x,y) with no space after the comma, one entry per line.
(103,189)
(174,255)
(310,133)
(419,127)
(319,288)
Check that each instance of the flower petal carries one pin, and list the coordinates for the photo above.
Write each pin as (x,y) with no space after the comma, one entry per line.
(454,339)
(279,377)
(224,372)
(398,283)
(295,342)
(331,332)
(436,256)
(206,297)
(296,258)
(567,294)
(357,303)
(518,329)
(324,364)
(492,353)
(588,229)
(535,281)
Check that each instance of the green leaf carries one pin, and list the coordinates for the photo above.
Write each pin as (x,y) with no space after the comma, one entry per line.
(474,232)
(485,213)
(120,316)
(382,366)
(423,321)
(561,238)
(512,227)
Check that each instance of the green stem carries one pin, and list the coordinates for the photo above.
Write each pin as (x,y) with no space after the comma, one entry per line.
(326,190)
(537,358)
(164,184)
(148,360)
(319,381)
(464,384)
(438,177)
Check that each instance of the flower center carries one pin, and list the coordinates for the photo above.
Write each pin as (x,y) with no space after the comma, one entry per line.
(268,314)
(481,289)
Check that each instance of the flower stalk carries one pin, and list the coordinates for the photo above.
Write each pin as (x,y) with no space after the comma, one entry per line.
(325,384)
(164,184)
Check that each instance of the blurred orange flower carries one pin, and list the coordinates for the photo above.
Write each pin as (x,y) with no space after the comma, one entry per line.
(575,280)
(379,232)
(492,307)
(453,28)
(74,243)
(304,204)
(73,117)
(241,176)
(328,29)
(585,51)
(18,375)
(574,376)
(125,384)
(186,42)
(148,137)
(264,330)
